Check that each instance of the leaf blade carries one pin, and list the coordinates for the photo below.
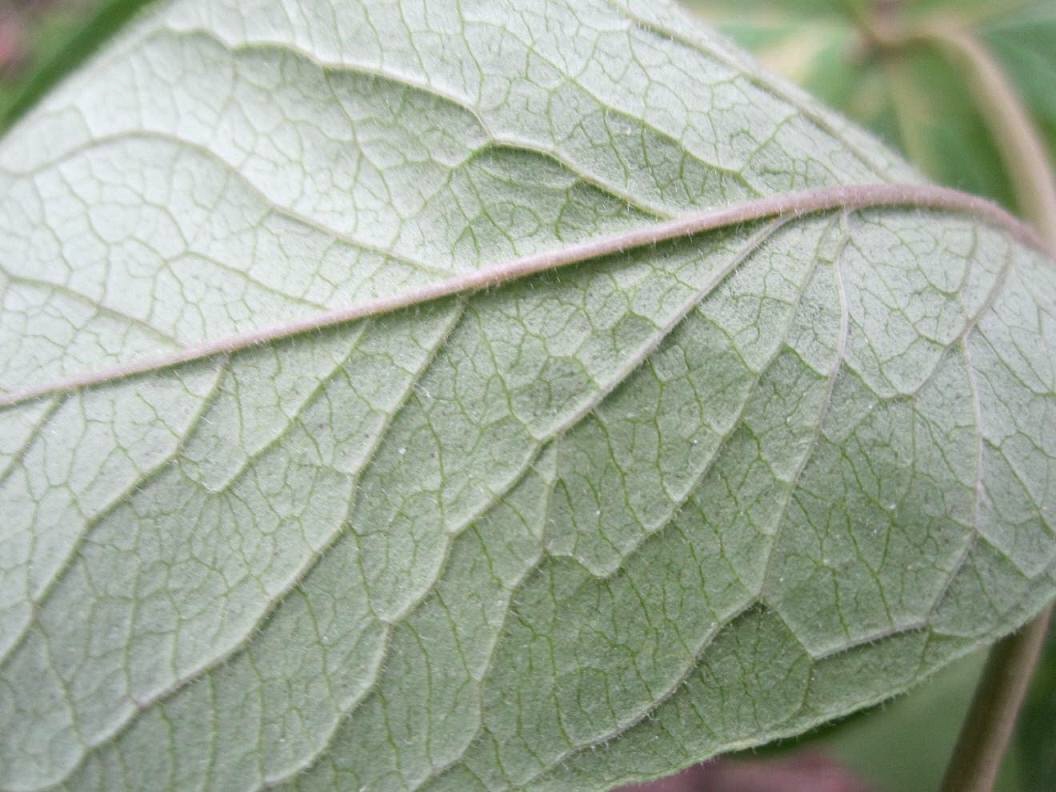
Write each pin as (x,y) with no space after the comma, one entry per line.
(342,542)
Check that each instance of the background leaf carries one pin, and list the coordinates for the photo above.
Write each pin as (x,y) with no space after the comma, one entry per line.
(1025,42)
(1035,731)
(914,98)
(905,745)
(559,534)
(47,40)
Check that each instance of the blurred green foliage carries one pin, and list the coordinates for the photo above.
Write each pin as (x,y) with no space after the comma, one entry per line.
(43,40)
(904,745)
(1036,747)
(914,98)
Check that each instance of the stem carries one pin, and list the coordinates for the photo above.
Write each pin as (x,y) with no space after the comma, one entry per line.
(992,718)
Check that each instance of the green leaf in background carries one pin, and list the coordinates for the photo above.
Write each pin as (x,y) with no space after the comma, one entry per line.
(904,745)
(58,38)
(1036,731)
(914,99)
(1025,43)
(585,527)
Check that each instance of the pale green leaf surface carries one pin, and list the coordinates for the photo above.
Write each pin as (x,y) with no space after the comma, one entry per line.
(591,526)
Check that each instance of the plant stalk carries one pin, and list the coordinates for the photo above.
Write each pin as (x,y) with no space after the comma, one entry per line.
(991,720)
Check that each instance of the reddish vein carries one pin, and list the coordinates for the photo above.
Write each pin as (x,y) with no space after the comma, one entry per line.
(788,204)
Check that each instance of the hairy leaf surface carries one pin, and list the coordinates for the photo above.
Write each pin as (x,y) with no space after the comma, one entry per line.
(587,526)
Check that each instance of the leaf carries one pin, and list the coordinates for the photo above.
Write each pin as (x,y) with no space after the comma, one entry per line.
(917,733)
(320,472)
(915,98)
(793,773)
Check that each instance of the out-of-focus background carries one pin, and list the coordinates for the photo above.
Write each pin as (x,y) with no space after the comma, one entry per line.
(32,34)
(41,40)
(916,95)
(853,55)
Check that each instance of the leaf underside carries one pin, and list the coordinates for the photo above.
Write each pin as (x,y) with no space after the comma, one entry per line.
(591,526)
